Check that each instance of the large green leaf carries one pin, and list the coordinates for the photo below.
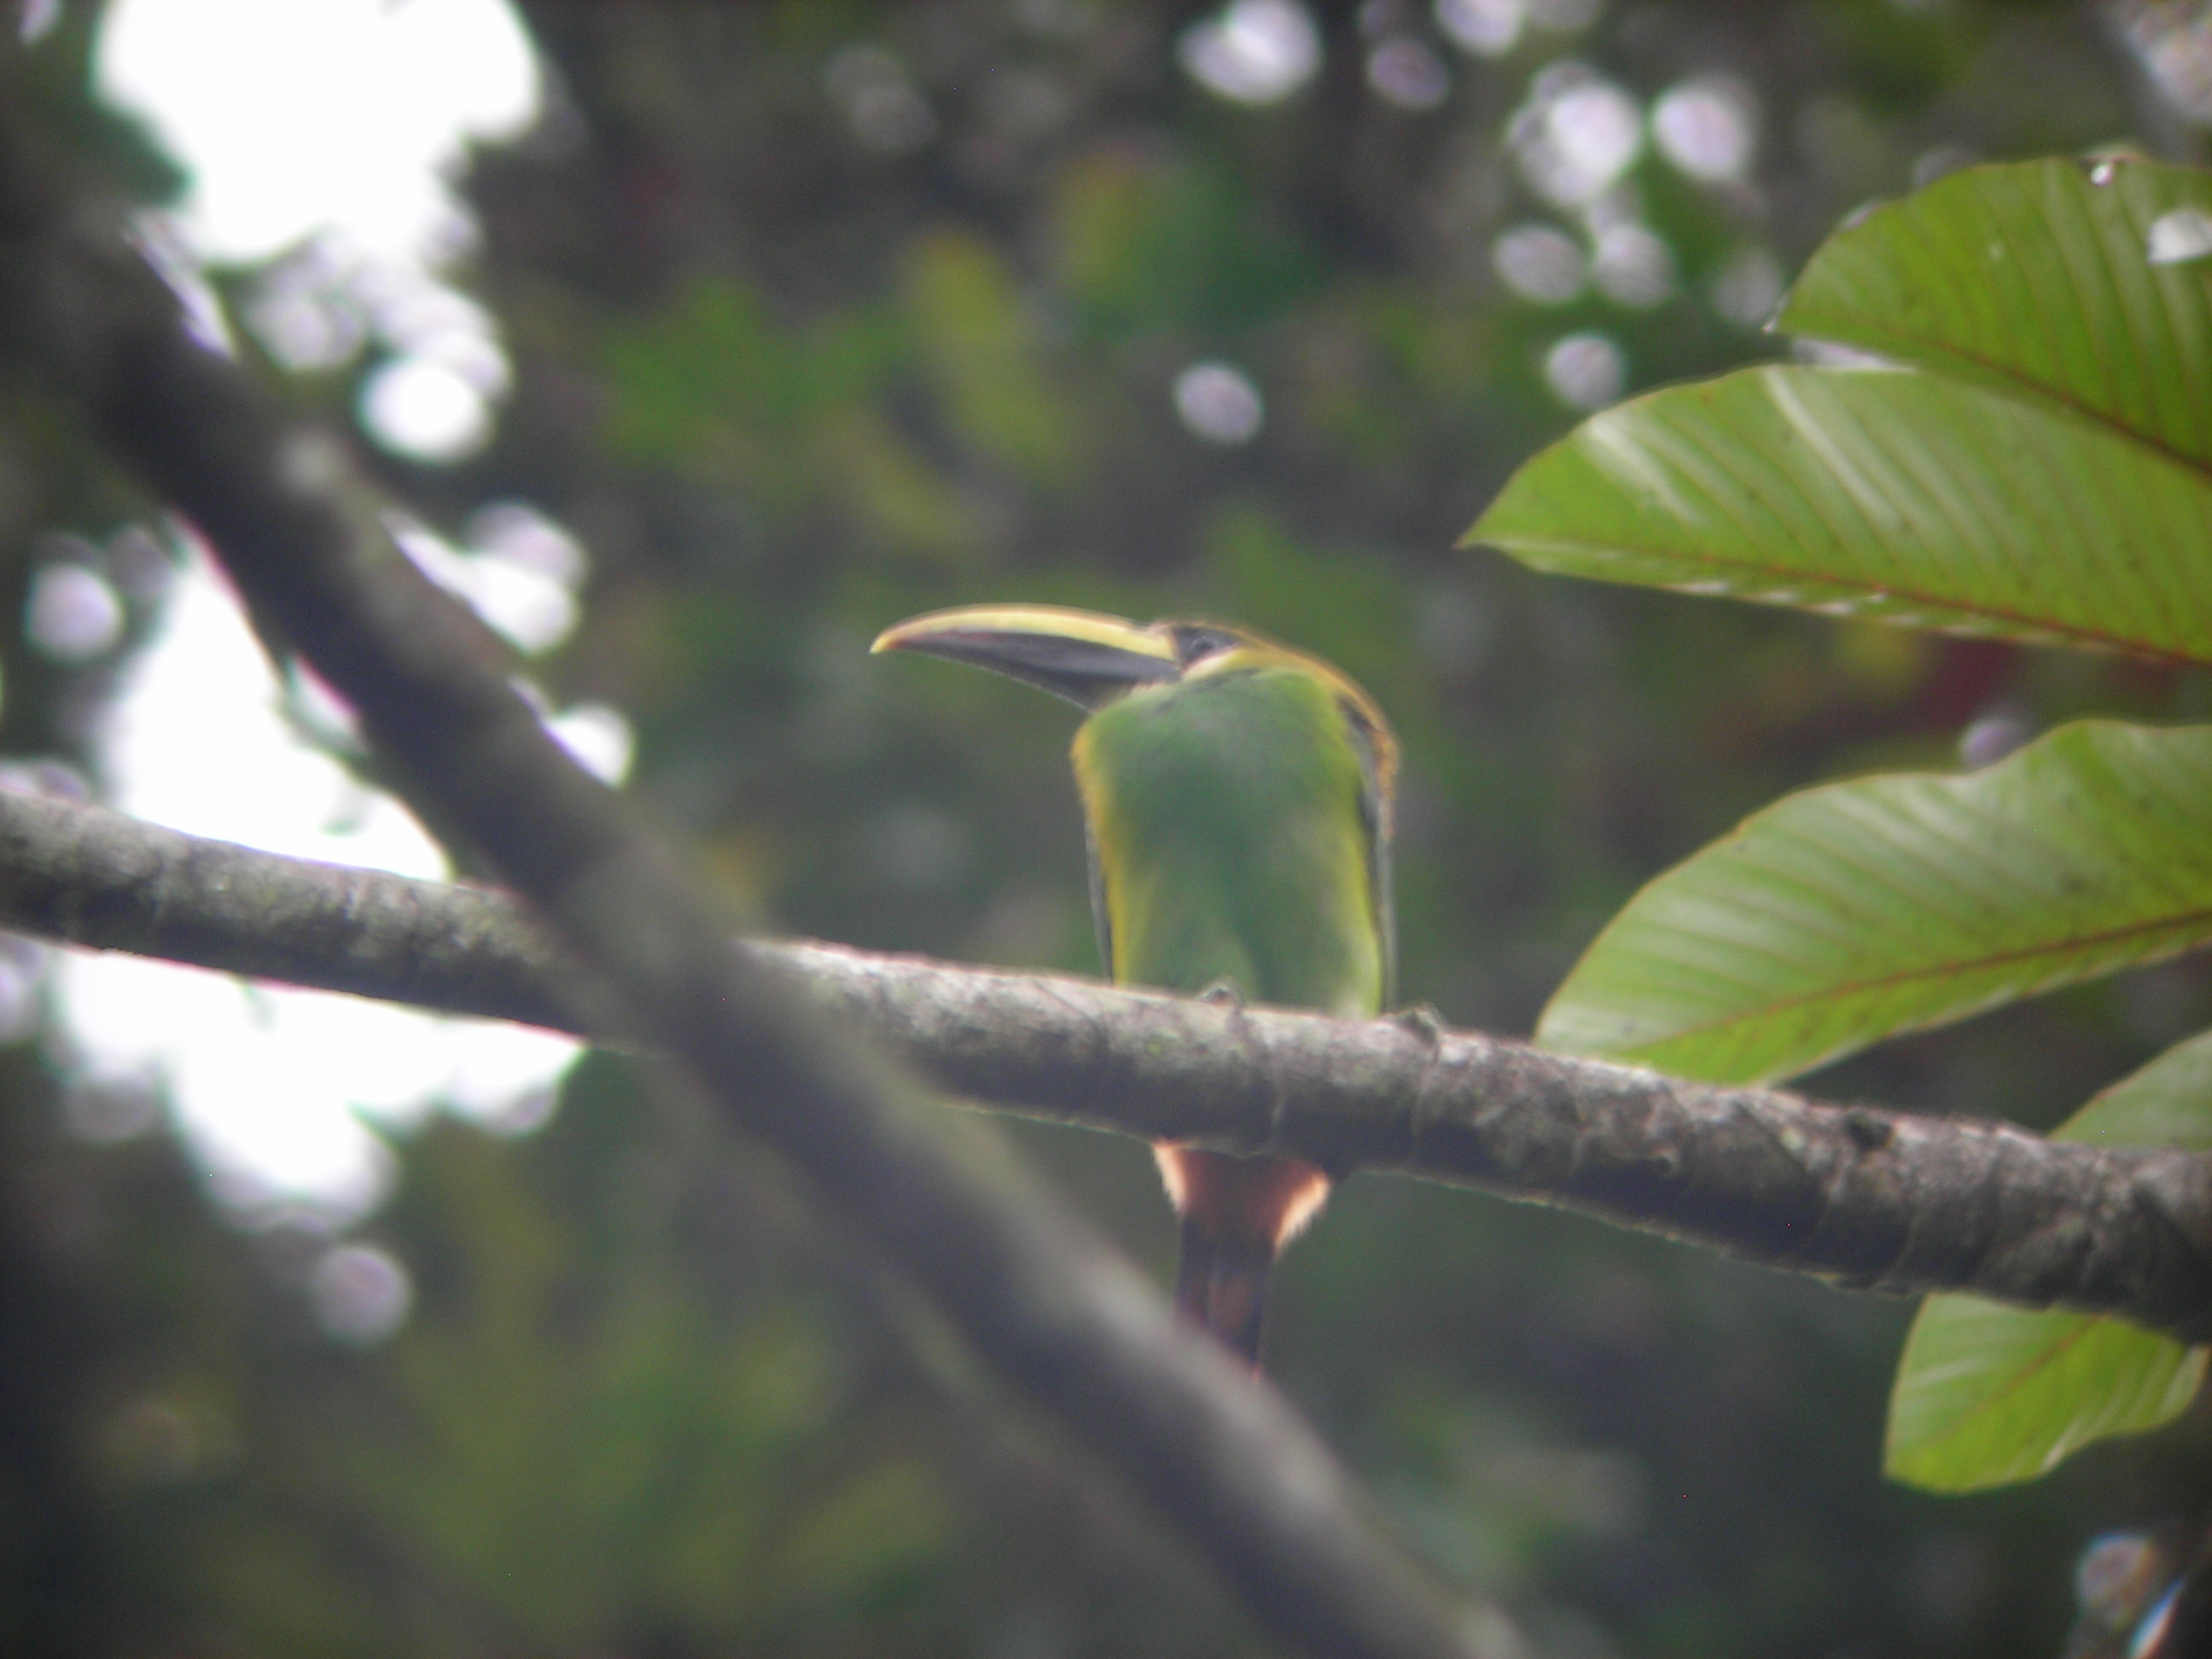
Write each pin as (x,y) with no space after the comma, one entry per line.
(2038,279)
(1850,912)
(1988,1394)
(1878,493)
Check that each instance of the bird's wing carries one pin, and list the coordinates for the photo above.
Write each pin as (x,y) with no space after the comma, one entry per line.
(1101,917)
(1377,782)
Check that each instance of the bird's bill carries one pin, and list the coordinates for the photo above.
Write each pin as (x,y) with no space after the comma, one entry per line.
(1086,656)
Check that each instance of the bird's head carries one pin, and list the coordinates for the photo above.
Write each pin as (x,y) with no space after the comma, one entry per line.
(1090,659)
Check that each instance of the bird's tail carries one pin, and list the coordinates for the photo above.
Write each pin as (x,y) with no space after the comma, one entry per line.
(1221,1286)
(1236,1214)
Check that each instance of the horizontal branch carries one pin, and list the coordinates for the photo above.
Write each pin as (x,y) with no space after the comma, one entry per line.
(1871,1199)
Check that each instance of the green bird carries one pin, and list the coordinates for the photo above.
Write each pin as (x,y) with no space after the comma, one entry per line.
(1237,796)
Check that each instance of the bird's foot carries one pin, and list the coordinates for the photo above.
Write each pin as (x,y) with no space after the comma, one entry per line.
(1223,994)
(1423,1021)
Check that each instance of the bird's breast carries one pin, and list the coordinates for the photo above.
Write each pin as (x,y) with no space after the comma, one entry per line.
(1225,818)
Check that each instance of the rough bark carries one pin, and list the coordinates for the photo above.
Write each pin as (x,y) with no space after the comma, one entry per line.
(1871,1199)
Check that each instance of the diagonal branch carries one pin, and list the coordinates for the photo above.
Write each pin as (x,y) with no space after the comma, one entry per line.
(1873,1199)
(1037,1293)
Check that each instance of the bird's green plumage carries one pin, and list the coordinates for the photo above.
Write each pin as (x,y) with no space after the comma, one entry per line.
(1229,818)
(1238,797)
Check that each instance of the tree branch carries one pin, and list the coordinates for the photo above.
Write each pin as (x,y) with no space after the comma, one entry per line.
(1873,1200)
(1039,1295)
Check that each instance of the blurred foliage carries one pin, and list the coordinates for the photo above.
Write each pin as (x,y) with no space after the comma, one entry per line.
(821,315)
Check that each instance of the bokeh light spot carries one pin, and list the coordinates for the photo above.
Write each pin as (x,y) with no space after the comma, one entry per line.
(884,109)
(424,410)
(598,738)
(2180,236)
(1585,371)
(518,588)
(1486,29)
(1575,134)
(359,110)
(1219,404)
(1408,73)
(1747,286)
(107,1111)
(1255,51)
(1541,263)
(1707,127)
(1992,735)
(22,977)
(2173,43)
(302,310)
(524,537)
(362,1294)
(1633,265)
(71,614)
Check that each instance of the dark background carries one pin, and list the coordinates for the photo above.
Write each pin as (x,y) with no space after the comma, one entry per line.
(790,382)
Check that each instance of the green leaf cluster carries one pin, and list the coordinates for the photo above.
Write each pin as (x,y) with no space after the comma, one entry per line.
(2020,448)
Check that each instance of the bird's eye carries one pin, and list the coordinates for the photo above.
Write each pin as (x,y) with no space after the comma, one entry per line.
(1195,644)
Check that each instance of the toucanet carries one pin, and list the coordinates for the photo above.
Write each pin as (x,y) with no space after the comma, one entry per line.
(1238,797)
